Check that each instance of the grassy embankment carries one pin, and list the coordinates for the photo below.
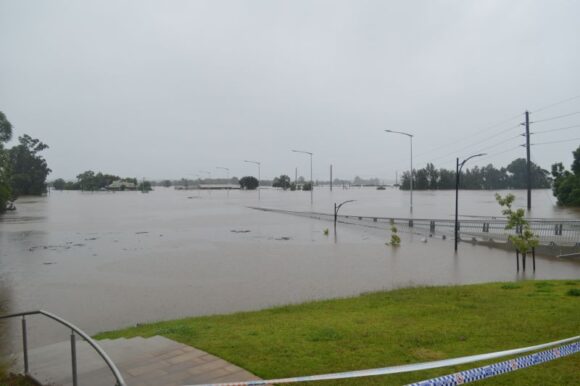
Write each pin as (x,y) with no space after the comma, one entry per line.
(388,328)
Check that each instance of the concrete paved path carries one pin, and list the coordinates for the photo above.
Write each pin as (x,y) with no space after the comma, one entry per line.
(142,361)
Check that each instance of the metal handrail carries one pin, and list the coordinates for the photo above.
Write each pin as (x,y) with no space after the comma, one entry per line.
(88,339)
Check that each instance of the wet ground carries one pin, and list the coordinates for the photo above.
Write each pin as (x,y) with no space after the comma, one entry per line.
(108,260)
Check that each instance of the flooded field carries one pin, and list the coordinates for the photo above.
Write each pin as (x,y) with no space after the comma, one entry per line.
(108,260)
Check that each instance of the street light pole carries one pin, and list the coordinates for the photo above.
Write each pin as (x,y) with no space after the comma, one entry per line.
(337,208)
(227,178)
(458,168)
(311,181)
(411,173)
(259,164)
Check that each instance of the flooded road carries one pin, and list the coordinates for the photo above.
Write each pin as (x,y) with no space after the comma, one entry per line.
(109,260)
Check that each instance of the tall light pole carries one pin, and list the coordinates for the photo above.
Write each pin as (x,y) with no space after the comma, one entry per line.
(411,173)
(457,171)
(259,164)
(311,181)
(227,178)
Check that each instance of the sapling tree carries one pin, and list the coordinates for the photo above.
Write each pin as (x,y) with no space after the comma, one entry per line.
(395,239)
(524,240)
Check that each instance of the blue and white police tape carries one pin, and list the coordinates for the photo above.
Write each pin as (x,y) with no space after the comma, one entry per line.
(500,368)
(403,368)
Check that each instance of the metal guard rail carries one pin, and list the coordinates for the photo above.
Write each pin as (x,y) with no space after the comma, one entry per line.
(116,373)
(548,230)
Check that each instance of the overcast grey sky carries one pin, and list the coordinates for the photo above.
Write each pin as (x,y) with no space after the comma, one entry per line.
(164,89)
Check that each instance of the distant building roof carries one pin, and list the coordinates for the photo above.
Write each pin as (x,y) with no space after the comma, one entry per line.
(121,184)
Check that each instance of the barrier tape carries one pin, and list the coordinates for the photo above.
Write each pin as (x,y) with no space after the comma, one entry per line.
(404,368)
(495,369)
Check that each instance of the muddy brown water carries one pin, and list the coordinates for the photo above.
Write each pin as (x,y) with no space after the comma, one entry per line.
(109,260)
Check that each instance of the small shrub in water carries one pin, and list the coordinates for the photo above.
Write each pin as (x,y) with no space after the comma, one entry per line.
(326,232)
(395,239)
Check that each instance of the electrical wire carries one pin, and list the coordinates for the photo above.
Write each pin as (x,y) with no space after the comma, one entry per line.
(476,133)
(554,104)
(556,117)
(550,142)
(475,144)
(479,150)
(558,129)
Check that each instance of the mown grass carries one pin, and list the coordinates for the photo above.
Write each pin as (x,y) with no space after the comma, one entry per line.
(388,328)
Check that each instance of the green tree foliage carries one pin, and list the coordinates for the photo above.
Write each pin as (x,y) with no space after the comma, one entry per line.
(249,183)
(514,176)
(525,239)
(59,184)
(90,181)
(567,184)
(28,169)
(281,182)
(395,239)
(5,129)
(145,186)
(166,183)
(307,186)
(5,136)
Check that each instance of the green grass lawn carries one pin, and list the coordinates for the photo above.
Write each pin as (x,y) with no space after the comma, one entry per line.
(389,328)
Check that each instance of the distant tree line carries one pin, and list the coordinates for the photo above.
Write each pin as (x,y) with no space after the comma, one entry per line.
(514,176)
(23,170)
(91,181)
(567,183)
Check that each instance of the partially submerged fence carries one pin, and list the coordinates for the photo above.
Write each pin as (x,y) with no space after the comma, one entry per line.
(550,231)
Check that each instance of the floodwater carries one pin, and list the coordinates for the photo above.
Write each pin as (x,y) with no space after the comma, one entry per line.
(109,260)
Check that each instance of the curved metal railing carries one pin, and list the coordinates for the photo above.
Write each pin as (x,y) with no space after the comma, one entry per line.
(74,329)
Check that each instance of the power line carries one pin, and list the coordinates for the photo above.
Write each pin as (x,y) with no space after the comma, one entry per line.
(556,117)
(476,143)
(460,151)
(558,129)
(555,104)
(550,142)
(476,133)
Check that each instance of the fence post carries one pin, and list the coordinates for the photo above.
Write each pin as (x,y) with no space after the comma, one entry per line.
(24,344)
(73,351)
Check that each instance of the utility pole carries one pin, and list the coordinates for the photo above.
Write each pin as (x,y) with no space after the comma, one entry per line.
(331,178)
(529,165)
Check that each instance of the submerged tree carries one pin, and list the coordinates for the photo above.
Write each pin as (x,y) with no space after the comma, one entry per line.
(567,184)
(249,183)
(524,240)
(28,169)
(281,182)
(5,136)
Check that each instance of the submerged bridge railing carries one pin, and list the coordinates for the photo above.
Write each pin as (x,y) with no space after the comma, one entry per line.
(549,231)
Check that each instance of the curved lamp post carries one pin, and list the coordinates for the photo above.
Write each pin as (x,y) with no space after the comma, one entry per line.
(259,164)
(457,171)
(311,182)
(337,208)
(411,173)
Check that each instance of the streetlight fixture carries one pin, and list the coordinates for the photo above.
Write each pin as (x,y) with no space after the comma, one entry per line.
(337,208)
(259,164)
(311,181)
(458,168)
(411,173)
(226,169)
(228,178)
